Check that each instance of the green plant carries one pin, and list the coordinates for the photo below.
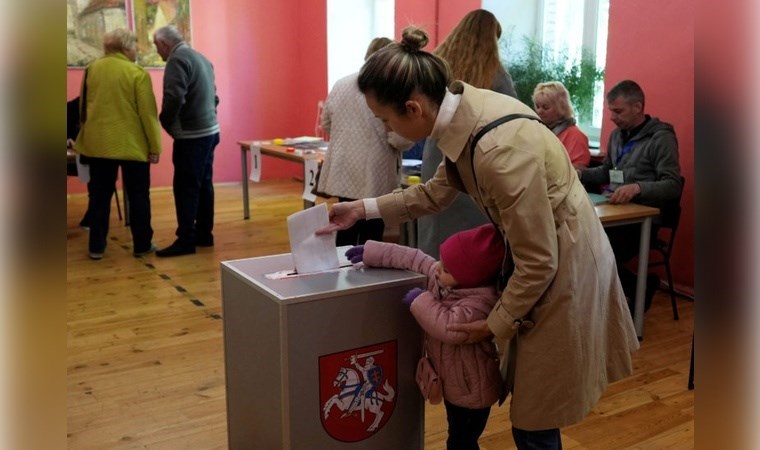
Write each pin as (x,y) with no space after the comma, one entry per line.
(536,64)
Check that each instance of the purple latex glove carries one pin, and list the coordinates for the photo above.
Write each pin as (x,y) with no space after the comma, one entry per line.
(411,295)
(355,254)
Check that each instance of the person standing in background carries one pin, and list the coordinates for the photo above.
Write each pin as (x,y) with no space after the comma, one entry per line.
(472,51)
(363,158)
(119,129)
(188,114)
(73,125)
(552,104)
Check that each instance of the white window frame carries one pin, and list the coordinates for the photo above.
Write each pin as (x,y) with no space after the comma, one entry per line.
(597,45)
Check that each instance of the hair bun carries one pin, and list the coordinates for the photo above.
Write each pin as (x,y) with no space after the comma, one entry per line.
(413,39)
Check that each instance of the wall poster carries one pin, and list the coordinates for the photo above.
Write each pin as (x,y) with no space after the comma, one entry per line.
(88,20)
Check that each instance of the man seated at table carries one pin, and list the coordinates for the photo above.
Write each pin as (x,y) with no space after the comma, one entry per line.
(641,166)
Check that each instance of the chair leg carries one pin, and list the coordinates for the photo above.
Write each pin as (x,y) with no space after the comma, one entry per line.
(691,366)
(671,289)
(118,205)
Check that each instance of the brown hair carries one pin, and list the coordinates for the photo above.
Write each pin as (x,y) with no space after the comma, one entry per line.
(397,70)
(556,93)
(376,44)
(472,49)
(629,90)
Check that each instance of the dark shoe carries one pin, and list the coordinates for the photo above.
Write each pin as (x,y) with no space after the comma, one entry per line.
(653,282)
(207,241)
(152,249)
(96,256)
(176,249)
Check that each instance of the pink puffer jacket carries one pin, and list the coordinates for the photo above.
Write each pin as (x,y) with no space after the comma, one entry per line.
(469,372)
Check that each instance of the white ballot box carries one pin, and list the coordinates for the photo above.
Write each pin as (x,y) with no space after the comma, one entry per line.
(320,361)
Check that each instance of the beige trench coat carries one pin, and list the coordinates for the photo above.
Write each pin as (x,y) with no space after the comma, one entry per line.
(565,279)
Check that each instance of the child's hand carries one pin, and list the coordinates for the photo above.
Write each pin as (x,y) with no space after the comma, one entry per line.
(411,295)
(355,254)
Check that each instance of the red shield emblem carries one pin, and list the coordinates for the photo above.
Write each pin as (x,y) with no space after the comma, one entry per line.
(357,390)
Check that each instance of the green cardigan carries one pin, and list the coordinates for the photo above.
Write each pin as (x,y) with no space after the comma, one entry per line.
(121,119)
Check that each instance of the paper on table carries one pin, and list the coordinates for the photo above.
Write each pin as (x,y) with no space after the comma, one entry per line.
(312,253)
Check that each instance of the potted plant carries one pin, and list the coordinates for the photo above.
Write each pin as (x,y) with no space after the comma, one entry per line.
(535,64)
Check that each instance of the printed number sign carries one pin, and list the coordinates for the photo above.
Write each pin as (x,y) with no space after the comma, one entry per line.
(310,168)
(255,162)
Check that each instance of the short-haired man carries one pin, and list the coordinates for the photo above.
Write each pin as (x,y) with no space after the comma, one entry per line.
(188,114)
(641,166)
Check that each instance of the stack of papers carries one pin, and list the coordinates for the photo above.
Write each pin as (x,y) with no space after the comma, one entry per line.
(597,199)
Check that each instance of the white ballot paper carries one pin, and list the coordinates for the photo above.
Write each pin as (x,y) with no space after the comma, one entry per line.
(312,253)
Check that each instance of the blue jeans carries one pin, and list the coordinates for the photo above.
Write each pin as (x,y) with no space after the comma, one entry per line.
(136,178)
(193,161)
(537,440)
(465,426)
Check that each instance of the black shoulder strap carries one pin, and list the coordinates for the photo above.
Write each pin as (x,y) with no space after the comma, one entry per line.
(486,129)
(495,124)
(506,272)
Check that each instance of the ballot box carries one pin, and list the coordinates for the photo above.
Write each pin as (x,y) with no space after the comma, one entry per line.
(320,361)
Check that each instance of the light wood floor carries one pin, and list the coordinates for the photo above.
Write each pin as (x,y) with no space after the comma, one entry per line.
(145,363)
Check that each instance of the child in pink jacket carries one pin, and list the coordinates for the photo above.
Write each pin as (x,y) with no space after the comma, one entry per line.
(461,289)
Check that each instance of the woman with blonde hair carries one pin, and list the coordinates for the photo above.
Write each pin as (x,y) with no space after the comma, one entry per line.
(552,104)
(472,51)
(119,129)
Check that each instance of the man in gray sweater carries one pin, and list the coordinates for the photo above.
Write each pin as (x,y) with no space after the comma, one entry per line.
(188,114)
(641,166)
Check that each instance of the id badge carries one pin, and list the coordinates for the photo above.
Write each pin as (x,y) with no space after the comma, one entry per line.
(616,176)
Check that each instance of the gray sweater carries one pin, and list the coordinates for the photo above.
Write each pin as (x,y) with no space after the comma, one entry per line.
(652,162)
(188,110)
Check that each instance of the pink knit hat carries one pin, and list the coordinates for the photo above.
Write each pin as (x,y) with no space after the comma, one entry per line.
(474,257)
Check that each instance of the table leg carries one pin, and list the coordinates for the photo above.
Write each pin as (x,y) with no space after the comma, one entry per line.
(244,182)
(641,277)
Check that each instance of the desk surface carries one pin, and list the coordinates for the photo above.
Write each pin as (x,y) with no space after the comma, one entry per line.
(608,212)
(282,152)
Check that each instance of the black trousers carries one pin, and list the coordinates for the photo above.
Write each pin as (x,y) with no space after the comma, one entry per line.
(624,240)
(360,232)
(193,161)
(537,440)
(465,426)
(136,174)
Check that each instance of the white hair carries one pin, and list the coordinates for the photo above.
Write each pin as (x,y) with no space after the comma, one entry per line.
(169,34)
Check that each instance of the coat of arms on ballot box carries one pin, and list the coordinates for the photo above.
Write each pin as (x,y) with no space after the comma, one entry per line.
(357,390)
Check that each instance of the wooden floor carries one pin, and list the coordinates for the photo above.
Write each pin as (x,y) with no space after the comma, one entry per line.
(145,363)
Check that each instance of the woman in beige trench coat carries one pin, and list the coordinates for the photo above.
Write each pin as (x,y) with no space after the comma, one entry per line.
(563,308)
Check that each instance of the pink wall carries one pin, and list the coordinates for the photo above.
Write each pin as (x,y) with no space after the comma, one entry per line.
(645,46)
(436,17)
(270,66)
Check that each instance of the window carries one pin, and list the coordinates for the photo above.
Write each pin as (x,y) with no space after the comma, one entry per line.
(571,26)
(566,27)
(351,26)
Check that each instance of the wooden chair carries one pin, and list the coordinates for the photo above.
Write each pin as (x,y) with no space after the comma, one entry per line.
(669,220)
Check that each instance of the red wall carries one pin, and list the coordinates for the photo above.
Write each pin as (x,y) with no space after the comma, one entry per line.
(436,17)
(645,46)
(270,66)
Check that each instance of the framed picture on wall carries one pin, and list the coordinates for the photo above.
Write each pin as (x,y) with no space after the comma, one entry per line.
(88,20)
